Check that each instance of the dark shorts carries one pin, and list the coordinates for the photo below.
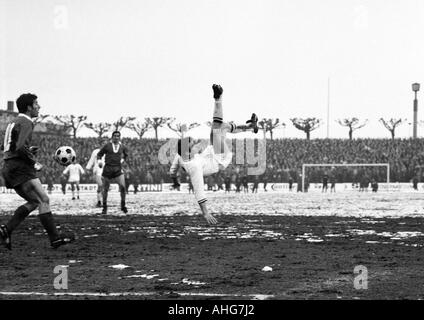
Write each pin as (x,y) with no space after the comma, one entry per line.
(16,172)
(111,172)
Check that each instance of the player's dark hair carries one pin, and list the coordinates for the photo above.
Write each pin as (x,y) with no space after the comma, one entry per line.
(184,146)
(116,131)
(25,100)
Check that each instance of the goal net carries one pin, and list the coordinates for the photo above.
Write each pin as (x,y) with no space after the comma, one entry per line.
(354,173)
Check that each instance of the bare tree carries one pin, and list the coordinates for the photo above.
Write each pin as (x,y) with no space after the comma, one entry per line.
(40,119)
(269,125)
(391,125)
(99,128)
(139,127)
(72,122)
(262,125)
(122,123)
(57,129)
(306,125)
(352,124)
(158,122)
(181,128)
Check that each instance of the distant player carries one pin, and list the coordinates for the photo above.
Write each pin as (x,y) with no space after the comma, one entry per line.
(415,183)
(245,184)
(63,182)
(255,185)
(333,183)
(325,183)
(74,170)
(115,154)
(290,183)
(19,173)
(227,184)
(215,157)
(374,185)
(265,181)
(93,165)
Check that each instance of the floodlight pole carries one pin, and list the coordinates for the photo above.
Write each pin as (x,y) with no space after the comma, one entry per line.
(388,177)
(415,88)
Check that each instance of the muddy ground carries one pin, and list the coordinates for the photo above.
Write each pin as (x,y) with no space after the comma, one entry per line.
(180,257)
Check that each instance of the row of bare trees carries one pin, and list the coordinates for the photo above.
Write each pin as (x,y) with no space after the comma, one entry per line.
(307,125)
(72,124)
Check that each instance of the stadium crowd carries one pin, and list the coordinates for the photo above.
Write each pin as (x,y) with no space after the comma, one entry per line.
(284,159)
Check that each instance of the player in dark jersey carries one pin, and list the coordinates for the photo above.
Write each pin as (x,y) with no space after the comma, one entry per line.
(290,183)
(19,173)
(115,154)
(325,183)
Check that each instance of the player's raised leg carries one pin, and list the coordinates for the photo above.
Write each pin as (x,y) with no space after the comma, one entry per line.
(218,124)
(221,151)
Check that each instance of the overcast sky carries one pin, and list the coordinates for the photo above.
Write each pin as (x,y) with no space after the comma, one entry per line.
(110,58)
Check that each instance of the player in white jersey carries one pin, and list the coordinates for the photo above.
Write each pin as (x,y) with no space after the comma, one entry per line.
(93,164)
(75,171)
(216,156)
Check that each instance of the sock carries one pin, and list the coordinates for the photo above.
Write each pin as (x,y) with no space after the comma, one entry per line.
(241,128)
(122,198)
(217,111)
(47,221)
(104,199)
(20,214)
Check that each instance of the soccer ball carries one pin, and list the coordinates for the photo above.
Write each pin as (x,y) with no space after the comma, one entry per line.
(65,155)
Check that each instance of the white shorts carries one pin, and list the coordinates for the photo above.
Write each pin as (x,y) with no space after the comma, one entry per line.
(213,162)
(205,164)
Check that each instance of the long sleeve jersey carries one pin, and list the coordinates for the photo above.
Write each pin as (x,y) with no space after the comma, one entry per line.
(17,139)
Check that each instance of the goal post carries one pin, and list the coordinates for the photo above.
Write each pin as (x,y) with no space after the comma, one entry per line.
(387,165)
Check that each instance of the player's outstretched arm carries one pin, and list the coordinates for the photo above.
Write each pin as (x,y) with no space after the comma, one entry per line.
(209,218)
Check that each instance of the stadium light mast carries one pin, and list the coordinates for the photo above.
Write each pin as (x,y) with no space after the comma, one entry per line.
(415,88)
(328,108)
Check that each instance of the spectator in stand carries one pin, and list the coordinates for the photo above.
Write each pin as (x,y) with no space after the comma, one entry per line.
(403,155)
